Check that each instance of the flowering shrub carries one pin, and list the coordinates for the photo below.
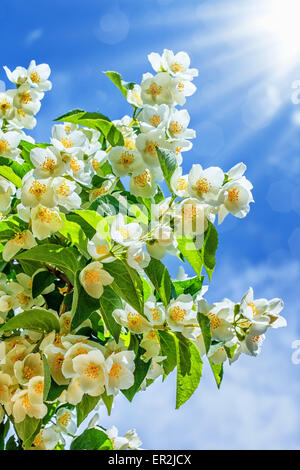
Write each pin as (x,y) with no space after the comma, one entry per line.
(87,307)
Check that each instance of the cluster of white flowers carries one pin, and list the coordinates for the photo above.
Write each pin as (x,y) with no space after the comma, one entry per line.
(66,178)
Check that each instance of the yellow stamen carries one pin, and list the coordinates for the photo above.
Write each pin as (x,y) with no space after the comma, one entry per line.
(37,188)
(67,143)
(92,371)
(233,195)
(115,370)
(35,78)
(154,90)
(155,120)
(203,185)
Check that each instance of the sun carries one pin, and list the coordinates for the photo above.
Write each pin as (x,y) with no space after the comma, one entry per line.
(279,21)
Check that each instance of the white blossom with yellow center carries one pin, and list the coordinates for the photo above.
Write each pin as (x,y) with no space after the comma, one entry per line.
(180,313)
(131,319)
(125,234)
(21,241)
(205,185)
(92,372)
(120,367)
(93,277)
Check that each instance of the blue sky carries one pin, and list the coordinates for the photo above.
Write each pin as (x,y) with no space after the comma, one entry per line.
(242,111)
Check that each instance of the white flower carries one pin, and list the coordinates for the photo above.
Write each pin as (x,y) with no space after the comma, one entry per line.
(158,89)
(99,249)
(151,344)
(154,311)
(68,142)
(7,109)
(22,407)
(37,191)
(5,383)
(7,190)
(191,218)
(45,222)
(175,64)
(181,89)
(217,355)
(55,357)
(154,117)
(97,160)
(220,315)
(125,234)
(180,313)
(9,142)
(47,162)
(37,76)
(120,367)
(137,257)
(93,278)
(65,420)
(131,319)
(74,351)
(144,184)
(178,125)
(35,388)
(22,241)
(28,99)
(126,161)
(147,145)
(17,76)
(134,441)
(156,369)
(66,193)
(236,197)
(134,96)
(46,439)
(91,371)
(205,185)
(179,183)
(119,443)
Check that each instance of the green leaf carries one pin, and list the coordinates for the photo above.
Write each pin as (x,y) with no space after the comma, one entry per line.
(110,301)
(86,405)
(92,439)
(94,121)
(204,323)
(168,348)
(66,260)
(218,372)
(189,250)
(4,428)
(127,284)
(116,78)
(11,176)
(55,390)
(189,369)
(105,205)
(190,286)
(47,378)
(168,163)
(36,319)
(160,278)
(89,216)
(12,444)
(108,402)
(140,372)
(200,257)
(40,281)
(74,233)
(83,305)
(27,430)
(209,249)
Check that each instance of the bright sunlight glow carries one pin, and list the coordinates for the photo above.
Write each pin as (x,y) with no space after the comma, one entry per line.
(280,20)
